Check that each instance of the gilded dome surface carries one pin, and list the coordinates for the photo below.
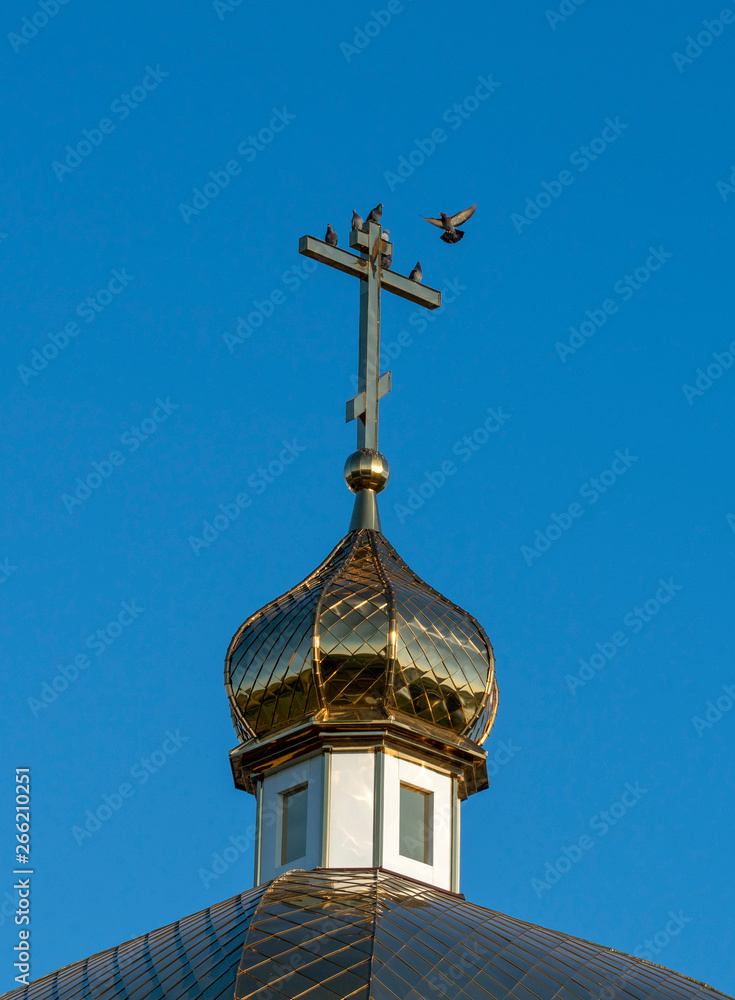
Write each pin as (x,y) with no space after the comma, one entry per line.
(358,934)
(361,638)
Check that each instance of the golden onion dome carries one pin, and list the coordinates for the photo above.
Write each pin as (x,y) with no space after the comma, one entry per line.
(362,638)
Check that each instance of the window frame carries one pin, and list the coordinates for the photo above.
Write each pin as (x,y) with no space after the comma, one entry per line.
(283,797)
(428,839)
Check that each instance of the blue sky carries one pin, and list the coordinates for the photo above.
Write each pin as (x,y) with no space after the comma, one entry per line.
(593,287)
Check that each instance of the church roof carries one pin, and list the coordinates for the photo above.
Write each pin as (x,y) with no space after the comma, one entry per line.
(360,638)
(359,934)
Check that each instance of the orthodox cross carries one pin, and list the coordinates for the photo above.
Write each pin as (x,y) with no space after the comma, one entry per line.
(371,385)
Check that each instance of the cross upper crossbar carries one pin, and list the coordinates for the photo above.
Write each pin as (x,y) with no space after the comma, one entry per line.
(368,267)
(350,263)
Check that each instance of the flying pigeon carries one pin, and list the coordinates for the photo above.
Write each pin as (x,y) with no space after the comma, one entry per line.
(375,213)
(448,223)
(417,274)
(331,237)
(357,220)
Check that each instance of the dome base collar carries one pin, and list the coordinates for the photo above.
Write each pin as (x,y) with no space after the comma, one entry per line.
(365,512)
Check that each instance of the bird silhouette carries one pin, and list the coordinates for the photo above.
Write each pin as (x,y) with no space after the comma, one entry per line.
(449,223)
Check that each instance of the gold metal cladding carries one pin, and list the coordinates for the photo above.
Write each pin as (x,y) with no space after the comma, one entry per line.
(454,838)
(398,736)
(259,836)
(363,636)
(420,295)
(357,406)
(326,805)
(309,246)
(360,933)
(360,240)
(486,720)
(372,267)
(379,808)
(368,934)
(367,470)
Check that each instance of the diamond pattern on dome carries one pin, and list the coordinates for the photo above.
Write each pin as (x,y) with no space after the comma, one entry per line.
(306,944)
(353,630)
(436,639)
(363,635)
(276,643)
(194,957)
(283,661)
(359,934)
(366,934)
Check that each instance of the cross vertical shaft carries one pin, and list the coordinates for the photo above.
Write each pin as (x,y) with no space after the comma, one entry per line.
(366,471)
(369,349)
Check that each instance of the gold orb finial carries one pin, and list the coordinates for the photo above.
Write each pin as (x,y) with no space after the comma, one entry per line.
(367,469)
